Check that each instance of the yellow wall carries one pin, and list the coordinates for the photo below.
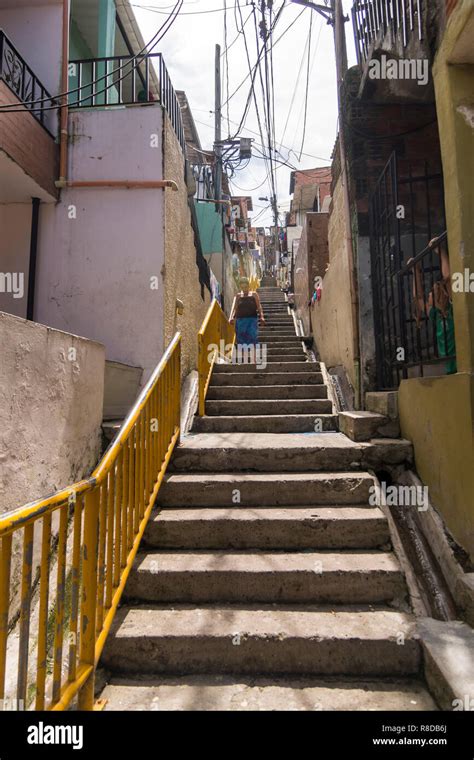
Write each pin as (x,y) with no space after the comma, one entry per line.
(437,414)
(181,274)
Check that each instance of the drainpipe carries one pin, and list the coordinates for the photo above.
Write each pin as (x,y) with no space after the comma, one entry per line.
(33,254)
(63,135)
(120,183)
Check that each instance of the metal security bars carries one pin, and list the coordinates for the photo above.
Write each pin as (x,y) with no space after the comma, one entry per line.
(124,80)
(430,339)
(215,338)
(406,213)
(373,19)
(21,80)
(73,553)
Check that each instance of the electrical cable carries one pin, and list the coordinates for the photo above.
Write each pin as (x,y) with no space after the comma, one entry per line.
(275,43)
(307,87)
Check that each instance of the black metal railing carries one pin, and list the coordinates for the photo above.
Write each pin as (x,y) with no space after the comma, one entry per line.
(122,81)
(410,274)
(24,83)
(373,19)
(429,326)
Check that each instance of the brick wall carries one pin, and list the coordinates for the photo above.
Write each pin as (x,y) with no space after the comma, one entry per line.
(28,144)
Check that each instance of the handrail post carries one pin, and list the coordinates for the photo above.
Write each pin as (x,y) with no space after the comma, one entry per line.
(89,595)
(201,409)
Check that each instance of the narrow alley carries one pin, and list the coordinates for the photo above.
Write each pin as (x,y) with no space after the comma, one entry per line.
(237,371)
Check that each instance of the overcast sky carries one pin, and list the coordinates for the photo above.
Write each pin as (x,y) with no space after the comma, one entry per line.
(189,50)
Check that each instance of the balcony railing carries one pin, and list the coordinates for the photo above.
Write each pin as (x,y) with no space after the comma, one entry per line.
(124,81)
(373,19)
(429,326)
(24,83)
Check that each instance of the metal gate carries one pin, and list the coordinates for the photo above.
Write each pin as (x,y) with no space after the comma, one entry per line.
(405,213)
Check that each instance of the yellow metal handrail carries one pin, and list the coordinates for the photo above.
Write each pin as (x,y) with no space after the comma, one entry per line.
(100,523)
(254,283)
(215,338)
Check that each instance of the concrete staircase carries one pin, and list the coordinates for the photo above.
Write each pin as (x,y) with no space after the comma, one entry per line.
(266,581)
(284,396)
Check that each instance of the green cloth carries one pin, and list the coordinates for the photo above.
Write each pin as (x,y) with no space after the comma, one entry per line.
(210,228)
(445,336)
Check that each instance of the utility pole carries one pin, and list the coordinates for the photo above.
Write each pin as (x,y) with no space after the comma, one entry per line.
(218,155)
(217,129)
(333,12)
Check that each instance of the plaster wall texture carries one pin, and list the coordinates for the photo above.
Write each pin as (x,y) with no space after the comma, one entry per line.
(331,316)
(230,284)
(100,249)
(50,409)
(181,274)
(15,226)
(436,414)
(36,32)
(310,261)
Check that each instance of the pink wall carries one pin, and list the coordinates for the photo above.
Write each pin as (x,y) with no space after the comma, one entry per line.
(36,32)
(94,270)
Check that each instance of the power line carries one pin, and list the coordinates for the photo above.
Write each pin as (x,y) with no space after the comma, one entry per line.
(275,43)
(226,59)
(253,132)
(307,86)
(186,13)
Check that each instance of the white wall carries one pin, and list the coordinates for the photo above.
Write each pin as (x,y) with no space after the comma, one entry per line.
(50,409)
(95,269)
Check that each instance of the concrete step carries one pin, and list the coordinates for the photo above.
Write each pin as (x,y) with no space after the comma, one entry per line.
(262,639)
(272,489)
(275,367)
(246,576)
(266,377)
(268,528)
(110,428)
(261,452)
(272,319)
(270,332)
(216,392)
(279,357)
(247,407)
(294,344)
(243,693)
(271,338)
(267,423)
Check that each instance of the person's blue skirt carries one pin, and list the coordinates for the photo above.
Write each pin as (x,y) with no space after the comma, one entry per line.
(246,331)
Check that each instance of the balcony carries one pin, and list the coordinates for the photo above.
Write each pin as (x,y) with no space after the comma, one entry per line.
(28,125)
(395,42)
(26,86)
(374,20)
(125,81)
